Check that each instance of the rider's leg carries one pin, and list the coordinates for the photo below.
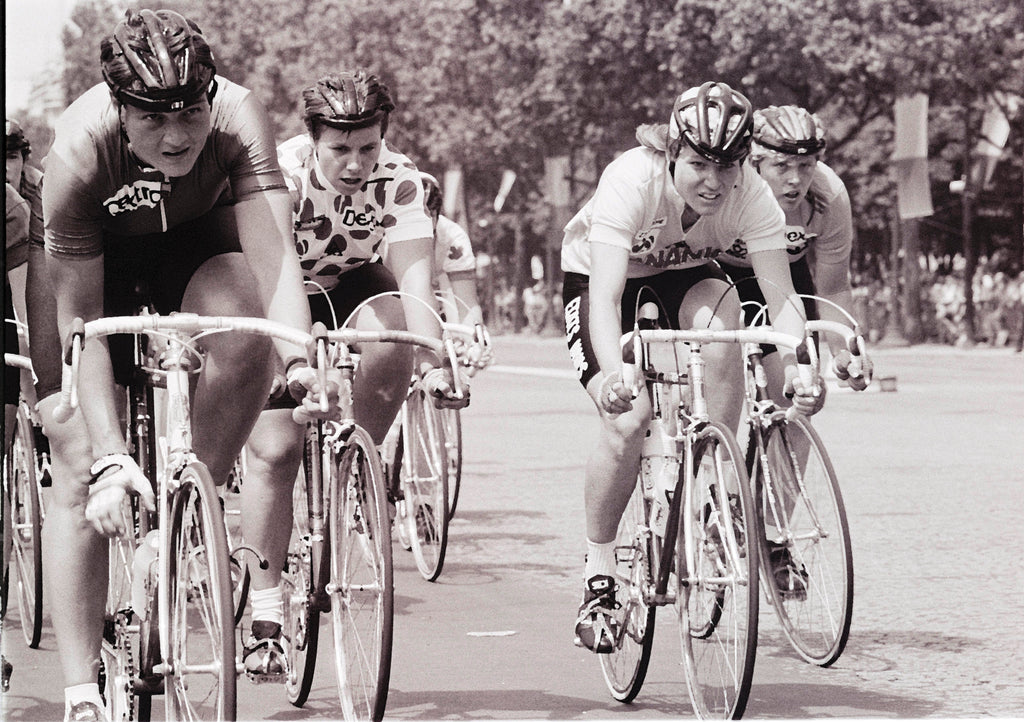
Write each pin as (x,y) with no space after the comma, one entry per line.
(382,379)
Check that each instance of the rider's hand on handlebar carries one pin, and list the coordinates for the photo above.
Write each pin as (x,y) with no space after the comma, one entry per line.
(304,386)
(112,477)
(441,385)
(613,396)
(841,368)
(808,400)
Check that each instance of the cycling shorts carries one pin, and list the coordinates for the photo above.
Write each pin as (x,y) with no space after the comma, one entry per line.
(750,292)
(149,271)
(667,289)
(354,287)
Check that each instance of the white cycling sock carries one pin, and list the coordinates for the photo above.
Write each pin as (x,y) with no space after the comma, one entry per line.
(88,692)
(600,559)
(267,604)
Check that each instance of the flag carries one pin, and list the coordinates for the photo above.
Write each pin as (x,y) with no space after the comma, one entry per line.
(995,131)
(910,156)
(508,178)
(455,197)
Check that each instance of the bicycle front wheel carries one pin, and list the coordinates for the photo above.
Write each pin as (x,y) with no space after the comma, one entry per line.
(807,530)
(301,608)
(27,520)
(199,665)
(452,420)
(717,570)
(362,578)
(625,668)
(424,476)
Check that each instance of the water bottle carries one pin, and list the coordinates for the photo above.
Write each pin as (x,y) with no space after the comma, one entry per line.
(142,572)
(659,470)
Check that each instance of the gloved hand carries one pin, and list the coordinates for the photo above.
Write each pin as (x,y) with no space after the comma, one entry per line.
(113,477)
(808,400)
(613,396)
(440,385)
(841,368)
(304,386)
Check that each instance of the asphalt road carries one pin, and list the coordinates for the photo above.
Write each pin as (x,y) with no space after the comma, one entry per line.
(933,478)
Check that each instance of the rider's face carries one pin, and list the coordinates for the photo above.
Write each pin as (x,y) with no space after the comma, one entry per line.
(702,184)
(347,157)
(789,176)
(170,142)
(15,164)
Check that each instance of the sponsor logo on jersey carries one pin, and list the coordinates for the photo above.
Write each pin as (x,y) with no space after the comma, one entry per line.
(140,194)
(678,254)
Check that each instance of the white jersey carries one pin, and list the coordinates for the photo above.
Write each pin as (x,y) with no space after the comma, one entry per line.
(336,232)
(823,219)
(453,252)
(636,207)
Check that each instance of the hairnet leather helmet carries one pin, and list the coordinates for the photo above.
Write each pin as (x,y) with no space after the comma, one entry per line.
(347,101)
(789,129)
(433,198)
(158,61)
(714,120)
(15,139)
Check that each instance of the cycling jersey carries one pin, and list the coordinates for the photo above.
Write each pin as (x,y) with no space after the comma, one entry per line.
(336,232)
(636,207)
(453,252)
(29,193)
(823,219)
(95,184)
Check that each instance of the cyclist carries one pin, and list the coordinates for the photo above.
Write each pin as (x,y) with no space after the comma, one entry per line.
(661,214)
(162,189)
(356,202)
(788,143)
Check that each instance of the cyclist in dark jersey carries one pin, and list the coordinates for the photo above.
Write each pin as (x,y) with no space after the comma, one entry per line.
(162,190)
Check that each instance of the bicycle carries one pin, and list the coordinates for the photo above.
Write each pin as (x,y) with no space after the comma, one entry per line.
(176,601)
(683,539)
(806,553)
(339,560)
(26,474)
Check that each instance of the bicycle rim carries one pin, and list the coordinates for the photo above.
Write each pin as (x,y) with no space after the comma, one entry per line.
(424,475)
(27,520)
(453,446)
(201,681)
(361,585)
(718,603)
(301,616)
(809,518)
(625,668)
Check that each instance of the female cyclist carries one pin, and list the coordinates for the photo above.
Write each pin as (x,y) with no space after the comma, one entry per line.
(661,214)
(355,202)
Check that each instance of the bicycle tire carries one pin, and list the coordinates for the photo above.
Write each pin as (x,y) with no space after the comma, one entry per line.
(625,668)
(200,680)
(301,585)
(424,475)
(27,521)
(362,578)
(452,420)
(116,656)
(717,603)
(810,517)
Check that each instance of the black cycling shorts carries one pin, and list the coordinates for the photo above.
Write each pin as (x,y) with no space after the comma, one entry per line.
(750,291)
(150,271)
(667,289)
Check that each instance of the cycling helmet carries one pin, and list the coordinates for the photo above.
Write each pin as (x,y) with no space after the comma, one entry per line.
(15,138)
(158,61)
(347,101)
(714,120)
(432,198)
(789,129)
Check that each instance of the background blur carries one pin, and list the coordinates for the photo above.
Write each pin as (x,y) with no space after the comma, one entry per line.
(544,93)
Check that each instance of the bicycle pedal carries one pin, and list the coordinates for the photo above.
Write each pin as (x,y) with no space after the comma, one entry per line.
(262,678)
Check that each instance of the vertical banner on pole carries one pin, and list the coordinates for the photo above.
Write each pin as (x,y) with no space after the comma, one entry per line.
(910,156)
(455,196)
(995,131)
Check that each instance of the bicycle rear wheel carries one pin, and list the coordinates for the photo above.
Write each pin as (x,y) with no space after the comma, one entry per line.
(452,420)
(717,568)
(803,508)
(301,610)
(200,673)
(362,578)
(625,668)
(424,475)
(27,521)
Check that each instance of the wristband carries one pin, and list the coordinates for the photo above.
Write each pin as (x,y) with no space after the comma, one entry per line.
(292,362)
(105,463)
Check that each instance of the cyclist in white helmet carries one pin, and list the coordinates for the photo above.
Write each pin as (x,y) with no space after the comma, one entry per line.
(662,213)
(788,144)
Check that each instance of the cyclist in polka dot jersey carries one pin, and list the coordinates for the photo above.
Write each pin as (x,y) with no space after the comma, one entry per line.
(356,202)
